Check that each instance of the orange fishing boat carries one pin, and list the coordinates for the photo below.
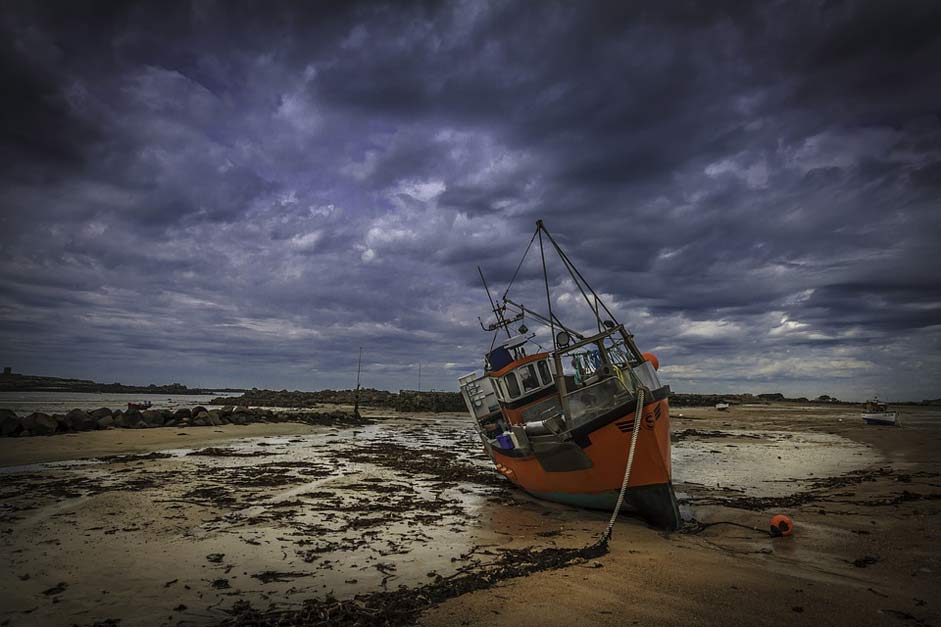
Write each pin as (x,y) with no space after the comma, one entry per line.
(560,422)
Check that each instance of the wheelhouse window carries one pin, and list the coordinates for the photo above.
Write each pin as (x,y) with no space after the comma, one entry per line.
(544,372)
(497,389)
(511,385)
(528,377)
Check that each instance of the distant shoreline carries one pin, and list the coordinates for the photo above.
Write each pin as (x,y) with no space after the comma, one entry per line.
(14,382)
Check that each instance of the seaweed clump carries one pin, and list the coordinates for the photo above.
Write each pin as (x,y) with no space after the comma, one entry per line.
(403,606)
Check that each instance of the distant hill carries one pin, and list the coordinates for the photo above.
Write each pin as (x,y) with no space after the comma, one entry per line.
(13,382)
(705,400)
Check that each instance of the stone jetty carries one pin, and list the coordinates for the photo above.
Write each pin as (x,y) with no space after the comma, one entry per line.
(402,401)
(38,423)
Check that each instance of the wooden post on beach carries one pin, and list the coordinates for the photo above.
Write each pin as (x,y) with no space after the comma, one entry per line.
(359,368)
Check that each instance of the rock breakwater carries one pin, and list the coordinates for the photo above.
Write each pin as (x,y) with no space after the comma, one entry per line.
(402,401)
(38,423)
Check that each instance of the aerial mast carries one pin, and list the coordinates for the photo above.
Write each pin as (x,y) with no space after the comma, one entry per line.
(497,311)
(359,368)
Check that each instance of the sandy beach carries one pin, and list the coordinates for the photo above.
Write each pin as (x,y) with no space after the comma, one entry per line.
(150,527)
(865,549)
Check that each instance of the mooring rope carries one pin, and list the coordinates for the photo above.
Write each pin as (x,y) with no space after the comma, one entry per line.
(606,536)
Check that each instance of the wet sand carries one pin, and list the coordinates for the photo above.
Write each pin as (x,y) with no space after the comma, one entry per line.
(275,514)
(865,550)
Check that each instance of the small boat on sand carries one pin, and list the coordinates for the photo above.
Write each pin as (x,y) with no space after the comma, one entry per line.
(722,406)
(559,420)
(877,413)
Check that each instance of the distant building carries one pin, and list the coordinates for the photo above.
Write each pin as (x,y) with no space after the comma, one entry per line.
(7,371)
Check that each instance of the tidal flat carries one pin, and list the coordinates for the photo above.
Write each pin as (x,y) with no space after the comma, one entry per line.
(238,523)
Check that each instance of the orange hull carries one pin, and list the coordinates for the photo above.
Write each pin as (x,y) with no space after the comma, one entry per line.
(649,492)
(608,454)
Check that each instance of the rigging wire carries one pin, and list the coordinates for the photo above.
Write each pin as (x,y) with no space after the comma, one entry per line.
(520,265)
(572,268)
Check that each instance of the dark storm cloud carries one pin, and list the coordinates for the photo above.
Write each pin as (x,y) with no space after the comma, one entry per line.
(243,194)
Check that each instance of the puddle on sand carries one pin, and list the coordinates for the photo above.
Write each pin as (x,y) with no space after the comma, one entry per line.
(765,463)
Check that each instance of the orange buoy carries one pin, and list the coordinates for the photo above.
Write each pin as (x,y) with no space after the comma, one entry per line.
(653,360)
(781,525)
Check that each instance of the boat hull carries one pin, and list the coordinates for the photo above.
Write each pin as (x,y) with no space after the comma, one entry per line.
(887,420)
(650,492)
(656,503)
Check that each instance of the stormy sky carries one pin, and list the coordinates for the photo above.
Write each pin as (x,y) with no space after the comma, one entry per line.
(242,194)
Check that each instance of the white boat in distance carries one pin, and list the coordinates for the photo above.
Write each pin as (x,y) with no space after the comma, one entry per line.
(722,406)
(877,413)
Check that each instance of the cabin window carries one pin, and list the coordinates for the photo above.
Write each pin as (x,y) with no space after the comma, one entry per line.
(511,385)
(528,376)
(544,372)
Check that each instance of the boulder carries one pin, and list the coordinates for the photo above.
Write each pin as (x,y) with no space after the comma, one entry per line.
(79,420)
(10,423)
(202,419)
(240,418)
(105,422)
(101,412)
(198,409)
(41,424)
(128,420)
(26,423)
(218,417)
(167,414)
(227,410)
(183,412)
(152,418)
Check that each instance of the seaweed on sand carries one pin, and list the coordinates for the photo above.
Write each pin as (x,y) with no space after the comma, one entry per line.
(213,451)
(403,606)
(438,463)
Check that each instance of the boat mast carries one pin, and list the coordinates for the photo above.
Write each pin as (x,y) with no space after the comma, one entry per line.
(577,277)
(545,276)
